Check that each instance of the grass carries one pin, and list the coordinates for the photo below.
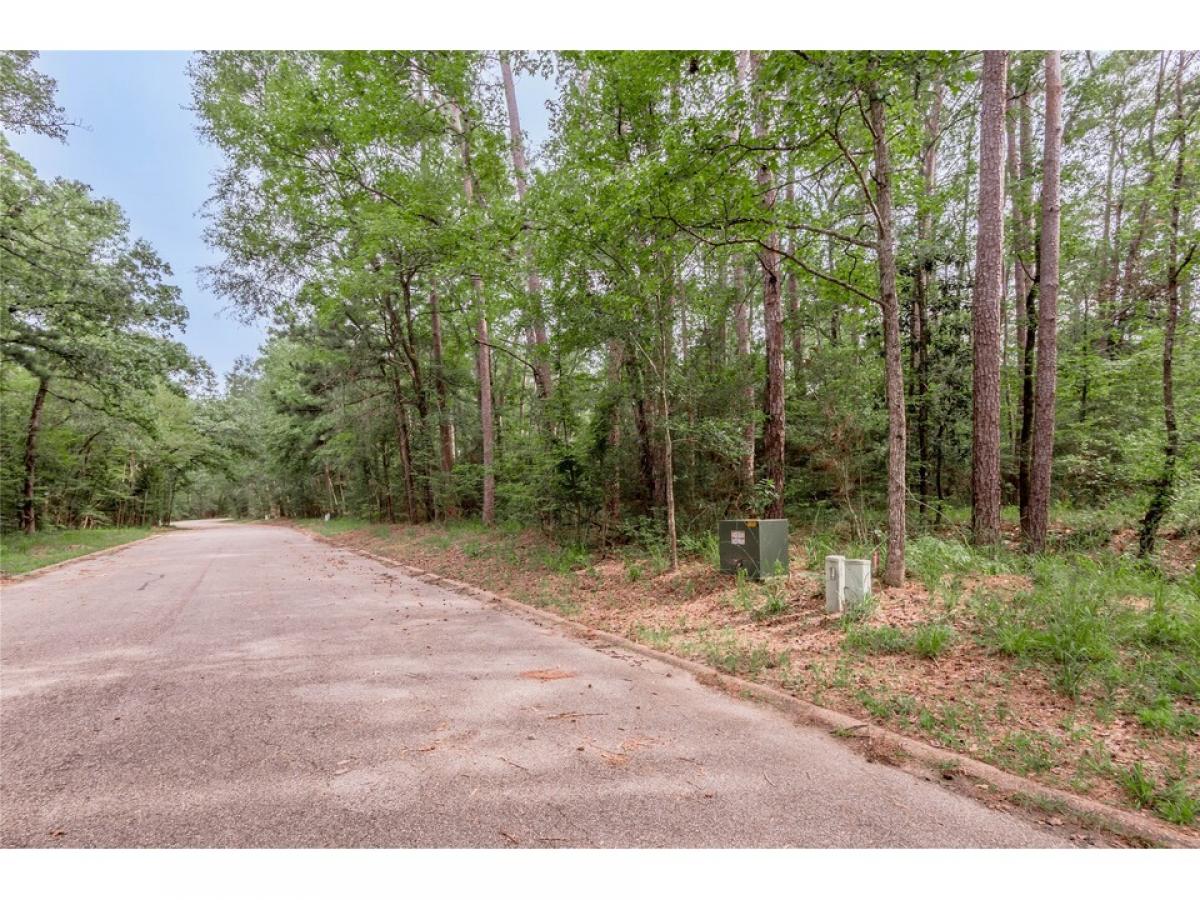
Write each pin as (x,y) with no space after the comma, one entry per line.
(1103,623)
(20,553)
(1176,800)
(772,594)
(335,526)
(932,639)
(659,638)
(727,653)
(928,640)
(547,599)
(1027,753)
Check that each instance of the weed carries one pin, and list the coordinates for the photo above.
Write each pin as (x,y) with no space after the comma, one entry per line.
(880,709)
(743,597)
(728,655)
(1040,802)
(931,639)
(1027,752)
(1163,717)
(1085,618)
(878,639)
(567,559)
(859,612)
(888,704)
(703,546)
(776,605)
(563,607)
(1175,804)
(1139,786)
(655,637)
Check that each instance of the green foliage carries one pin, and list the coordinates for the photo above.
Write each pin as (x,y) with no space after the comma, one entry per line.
(25,552)
(365,206)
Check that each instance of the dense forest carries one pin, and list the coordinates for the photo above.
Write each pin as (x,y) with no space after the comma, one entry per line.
(890,287)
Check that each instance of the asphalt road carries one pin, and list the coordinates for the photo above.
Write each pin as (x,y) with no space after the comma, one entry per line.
(246,686)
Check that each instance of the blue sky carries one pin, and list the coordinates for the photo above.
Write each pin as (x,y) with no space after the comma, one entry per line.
(138,145)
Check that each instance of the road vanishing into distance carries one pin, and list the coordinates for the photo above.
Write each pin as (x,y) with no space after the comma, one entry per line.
(230,685)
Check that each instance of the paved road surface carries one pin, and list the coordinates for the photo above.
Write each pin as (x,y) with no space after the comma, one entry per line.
(243,685)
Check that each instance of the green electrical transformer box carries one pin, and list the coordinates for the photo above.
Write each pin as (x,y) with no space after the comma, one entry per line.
(758,547)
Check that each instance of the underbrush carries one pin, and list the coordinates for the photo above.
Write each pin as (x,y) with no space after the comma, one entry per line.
(1105,624)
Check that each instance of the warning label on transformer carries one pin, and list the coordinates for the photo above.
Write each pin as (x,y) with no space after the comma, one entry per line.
(737,537)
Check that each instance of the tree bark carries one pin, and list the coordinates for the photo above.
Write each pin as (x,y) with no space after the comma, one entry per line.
(445,423)
(537,332)
(923,293)
(792,289)
(483,364)
(612,485)
(666,322)
(28,505)
(402,441)
(886,259)
(1027,328)
(741,327)
(985,305)
(1047,349)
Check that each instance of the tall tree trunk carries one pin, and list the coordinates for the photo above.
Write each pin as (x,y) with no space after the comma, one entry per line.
(923,294)
(1022,264)
(741,327)
(666,355)
(768,259)
(1161,500)
(985,305)
(1027,331)
(406,465)
(894,365)
(1109,239)
(646,454)
(28,505)
(387,501)
(537,332)
(445,423)
(483,359)
(1047,349)
(407,340)
(612,485)
(1020,227)
(792,289)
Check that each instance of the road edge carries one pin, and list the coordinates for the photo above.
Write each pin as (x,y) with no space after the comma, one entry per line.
(62,564)
(871,740)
